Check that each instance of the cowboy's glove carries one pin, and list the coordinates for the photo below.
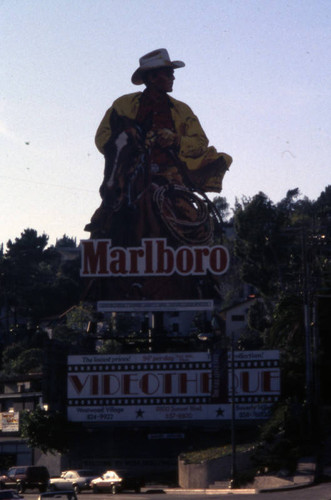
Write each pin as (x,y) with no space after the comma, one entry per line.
(166,138)
(150,139)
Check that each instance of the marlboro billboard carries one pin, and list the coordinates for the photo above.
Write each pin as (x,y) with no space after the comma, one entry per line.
(152,270)
(153,258)
(158,172)
(154,235)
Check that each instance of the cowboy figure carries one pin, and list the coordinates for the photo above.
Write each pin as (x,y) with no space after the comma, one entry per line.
(178,147)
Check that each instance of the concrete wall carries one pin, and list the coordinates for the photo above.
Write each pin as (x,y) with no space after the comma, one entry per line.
(55,463)
(191,476)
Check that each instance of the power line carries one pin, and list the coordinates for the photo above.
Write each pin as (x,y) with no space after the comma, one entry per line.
(62,186)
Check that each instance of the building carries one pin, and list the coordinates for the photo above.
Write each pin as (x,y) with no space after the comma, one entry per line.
(17,393)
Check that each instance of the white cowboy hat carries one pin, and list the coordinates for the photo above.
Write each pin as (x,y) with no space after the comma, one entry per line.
(156,59)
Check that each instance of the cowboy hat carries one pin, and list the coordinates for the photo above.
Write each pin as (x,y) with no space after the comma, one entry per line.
(156,59)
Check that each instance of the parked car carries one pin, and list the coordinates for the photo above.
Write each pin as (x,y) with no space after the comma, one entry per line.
(62,495)
(9,495)
(23,477)
(77,480)
(115,481)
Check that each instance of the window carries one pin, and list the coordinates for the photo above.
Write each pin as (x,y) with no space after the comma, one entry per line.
(238,317)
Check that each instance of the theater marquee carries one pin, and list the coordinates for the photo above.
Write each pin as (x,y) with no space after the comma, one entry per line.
(171,386)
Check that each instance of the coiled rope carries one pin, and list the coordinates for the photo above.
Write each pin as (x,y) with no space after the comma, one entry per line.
(186,215)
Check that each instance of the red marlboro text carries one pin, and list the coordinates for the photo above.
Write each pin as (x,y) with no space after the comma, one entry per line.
(152,258)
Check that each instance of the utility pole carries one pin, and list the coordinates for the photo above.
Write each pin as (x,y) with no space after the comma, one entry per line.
(307,322)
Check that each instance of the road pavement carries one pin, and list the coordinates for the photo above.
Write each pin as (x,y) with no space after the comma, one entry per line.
(300,486)
(314,492)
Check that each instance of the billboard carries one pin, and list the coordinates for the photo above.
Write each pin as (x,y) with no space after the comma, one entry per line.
(171,387)
(152,270)
(99,258)
(156,232)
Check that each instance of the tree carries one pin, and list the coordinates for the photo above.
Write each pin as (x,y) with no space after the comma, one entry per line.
(222,206)
(260,244)
(19,360)
(29,361)
(36,281)
(9,356)
(110,346)
(66,242)
(79,317)
(67,336)
(283,250)
(29,246)
(50,432)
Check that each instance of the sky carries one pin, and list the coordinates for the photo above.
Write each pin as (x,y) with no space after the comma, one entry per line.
(257,75)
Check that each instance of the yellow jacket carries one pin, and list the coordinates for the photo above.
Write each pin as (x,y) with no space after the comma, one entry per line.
(193,143)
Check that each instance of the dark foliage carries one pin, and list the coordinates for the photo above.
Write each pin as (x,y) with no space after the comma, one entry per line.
(50,432)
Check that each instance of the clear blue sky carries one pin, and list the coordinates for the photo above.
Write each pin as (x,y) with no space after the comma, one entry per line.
(258,76)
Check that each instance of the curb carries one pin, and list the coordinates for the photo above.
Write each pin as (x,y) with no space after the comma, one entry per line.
(209,491)
(300,482)
(304,477)
(294,486)
(229,491)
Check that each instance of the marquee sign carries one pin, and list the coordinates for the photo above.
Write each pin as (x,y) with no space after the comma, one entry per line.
(170,387)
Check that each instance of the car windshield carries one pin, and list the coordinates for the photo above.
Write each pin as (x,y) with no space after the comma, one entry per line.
(110,474)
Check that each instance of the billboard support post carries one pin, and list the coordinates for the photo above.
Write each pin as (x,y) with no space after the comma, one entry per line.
(233,419)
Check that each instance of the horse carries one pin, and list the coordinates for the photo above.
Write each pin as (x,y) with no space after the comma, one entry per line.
(125,180)
(125,160)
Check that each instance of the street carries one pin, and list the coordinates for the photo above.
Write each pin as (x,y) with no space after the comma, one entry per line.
(318,492)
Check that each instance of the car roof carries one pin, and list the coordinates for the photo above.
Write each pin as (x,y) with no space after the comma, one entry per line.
(59,494)
(9,494)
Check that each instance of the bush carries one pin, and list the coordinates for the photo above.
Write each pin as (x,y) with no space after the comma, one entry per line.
(284,438)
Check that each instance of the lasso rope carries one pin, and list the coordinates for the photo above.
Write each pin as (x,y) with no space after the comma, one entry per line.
(186,216)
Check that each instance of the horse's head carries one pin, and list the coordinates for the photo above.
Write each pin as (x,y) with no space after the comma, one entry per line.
(121,155)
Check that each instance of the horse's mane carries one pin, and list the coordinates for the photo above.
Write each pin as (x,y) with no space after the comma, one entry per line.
(122,151)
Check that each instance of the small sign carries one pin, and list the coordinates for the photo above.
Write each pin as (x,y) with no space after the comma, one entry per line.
(154,305)
(177,435)
(10,421)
